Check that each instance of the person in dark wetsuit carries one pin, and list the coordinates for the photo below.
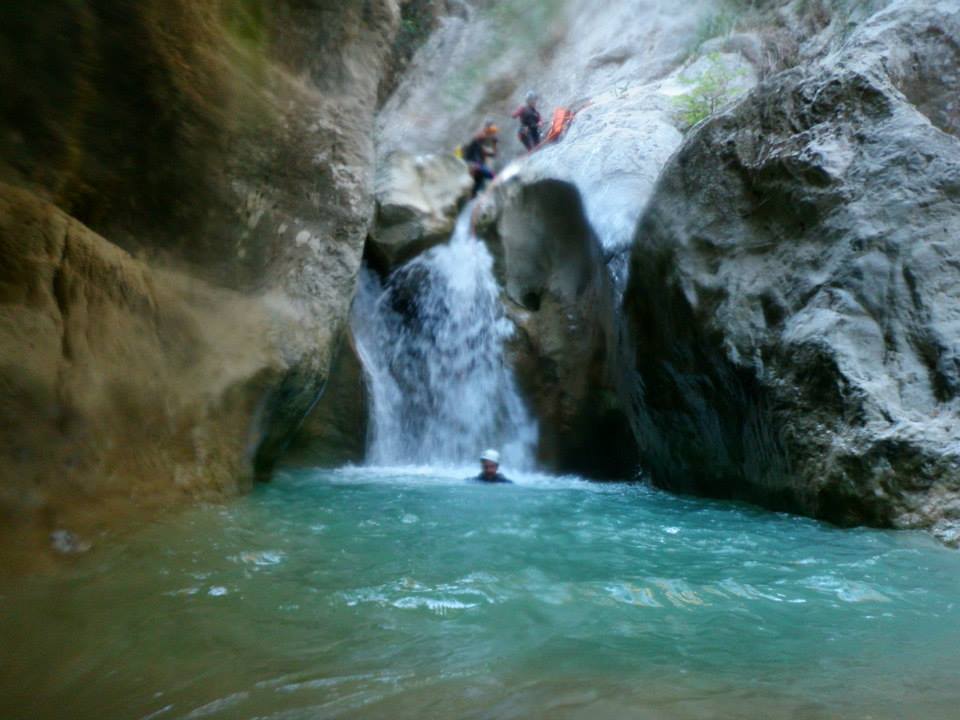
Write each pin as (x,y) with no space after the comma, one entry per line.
(530,122)
(477,152)
(490,466)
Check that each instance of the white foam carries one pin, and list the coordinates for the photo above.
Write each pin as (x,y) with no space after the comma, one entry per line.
(431,341)
(450,475)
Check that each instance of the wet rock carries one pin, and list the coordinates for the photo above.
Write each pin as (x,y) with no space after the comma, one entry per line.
(122,388)
(792,293)
(229,149)
(335,431)
(418,199)
(560,297)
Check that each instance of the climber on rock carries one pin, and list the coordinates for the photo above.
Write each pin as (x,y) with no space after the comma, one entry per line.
(530,122)
(490,468)
(477,153)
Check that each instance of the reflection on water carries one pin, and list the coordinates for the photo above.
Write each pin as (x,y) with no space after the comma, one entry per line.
(403,594)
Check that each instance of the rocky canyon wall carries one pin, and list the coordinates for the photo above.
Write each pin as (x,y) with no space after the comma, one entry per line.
(789,333)
(186,193)
(794,288)
(560,221)
(187,189)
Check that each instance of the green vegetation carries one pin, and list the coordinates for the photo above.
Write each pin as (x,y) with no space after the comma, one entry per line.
(843,8)
(712,89)
(822,12)
(729,16)
(247,21)
(418,21)
(780,25)
(719,23)
(246,26)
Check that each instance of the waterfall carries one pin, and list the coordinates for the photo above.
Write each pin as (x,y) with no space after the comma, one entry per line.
(431,339)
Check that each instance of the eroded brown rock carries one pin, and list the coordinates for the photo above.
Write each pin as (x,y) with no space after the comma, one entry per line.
(230,144)
(121,388)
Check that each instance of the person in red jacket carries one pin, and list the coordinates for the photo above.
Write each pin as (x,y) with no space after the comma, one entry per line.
(530,122)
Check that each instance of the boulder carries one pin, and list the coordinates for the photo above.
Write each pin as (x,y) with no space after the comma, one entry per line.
(418,198)
(560,297)
(793,294)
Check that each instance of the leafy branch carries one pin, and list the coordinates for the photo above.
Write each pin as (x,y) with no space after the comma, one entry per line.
(711,90)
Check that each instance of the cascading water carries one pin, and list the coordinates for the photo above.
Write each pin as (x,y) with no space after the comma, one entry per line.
(431,340)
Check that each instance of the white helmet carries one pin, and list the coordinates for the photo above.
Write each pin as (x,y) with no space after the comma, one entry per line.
(491,455)
(532,96)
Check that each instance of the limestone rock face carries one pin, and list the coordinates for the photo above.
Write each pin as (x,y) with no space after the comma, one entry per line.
(335,431)
(560,220)
(560,297)
(418,198)
(229,144)
(481,63)
(120,386)
(795,295)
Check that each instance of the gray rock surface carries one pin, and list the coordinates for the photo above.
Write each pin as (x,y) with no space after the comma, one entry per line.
(560,298)
(335,431)
(481,63)
(560,220)
(795,288)
(418,198)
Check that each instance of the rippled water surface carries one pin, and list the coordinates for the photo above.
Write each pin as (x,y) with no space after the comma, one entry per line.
(400,594)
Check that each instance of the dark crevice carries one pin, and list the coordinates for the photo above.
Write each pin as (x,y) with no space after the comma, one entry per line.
(531,301)
(61,296)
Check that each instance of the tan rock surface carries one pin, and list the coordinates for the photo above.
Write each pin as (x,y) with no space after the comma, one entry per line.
(121,388)
(228,147)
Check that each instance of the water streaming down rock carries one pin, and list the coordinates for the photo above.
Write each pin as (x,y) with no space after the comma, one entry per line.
(431,340)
